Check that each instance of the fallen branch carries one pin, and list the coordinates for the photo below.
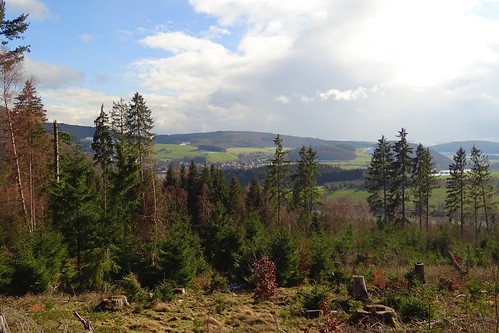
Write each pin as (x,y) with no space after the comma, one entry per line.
(87,324)
(456,264)
(3,325)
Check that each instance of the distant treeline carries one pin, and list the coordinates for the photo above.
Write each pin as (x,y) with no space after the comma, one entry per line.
(328,174)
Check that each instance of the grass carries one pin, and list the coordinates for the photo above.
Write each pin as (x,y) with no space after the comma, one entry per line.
(470,304)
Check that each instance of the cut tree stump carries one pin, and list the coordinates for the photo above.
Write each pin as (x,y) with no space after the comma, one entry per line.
(358,288)
(419,273)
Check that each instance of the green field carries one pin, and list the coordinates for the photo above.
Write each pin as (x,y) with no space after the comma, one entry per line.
(362,160)
(169,152)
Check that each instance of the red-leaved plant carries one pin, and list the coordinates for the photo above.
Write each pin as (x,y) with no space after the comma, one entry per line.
(264,275)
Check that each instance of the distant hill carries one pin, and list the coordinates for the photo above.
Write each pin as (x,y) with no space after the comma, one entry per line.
(488,148)
(228,139)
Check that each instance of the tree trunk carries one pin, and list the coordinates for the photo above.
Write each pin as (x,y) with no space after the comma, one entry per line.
(56,151)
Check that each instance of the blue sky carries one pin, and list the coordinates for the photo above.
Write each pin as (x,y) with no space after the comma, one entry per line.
(333,69)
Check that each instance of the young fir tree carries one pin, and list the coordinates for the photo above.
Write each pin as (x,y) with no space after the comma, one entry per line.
(378,182)
(482,191)
(401,176)
(254,196)
(423,184)
(305,194)
(457,187)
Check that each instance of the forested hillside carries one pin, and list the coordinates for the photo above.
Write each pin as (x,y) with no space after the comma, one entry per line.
(75,223)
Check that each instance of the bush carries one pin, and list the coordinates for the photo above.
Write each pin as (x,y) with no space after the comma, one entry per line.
(180,255)
(313,299)
(320,257)
(132,288)
(6,269)
(264,275)
(284,253)
(39,261)
(412,307)
(164,292)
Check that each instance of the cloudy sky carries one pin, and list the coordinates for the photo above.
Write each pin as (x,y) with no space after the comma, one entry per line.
(332,69)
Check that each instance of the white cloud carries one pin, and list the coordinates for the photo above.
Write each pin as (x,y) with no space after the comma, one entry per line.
(344,95)
(36,9)
(283,99)
(49,75)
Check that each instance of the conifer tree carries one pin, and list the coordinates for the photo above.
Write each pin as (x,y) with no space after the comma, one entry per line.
(457,187)
(305,194)
(424,182)
(401,175)
(378,182)
(276,185)
(482,191)
(138,126)
(254,197)
(103,148)
(28,118)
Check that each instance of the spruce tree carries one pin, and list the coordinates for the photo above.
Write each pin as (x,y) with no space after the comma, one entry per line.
(276,185)
(378,182)
(424,182)
(103,148)
(457,187)
(138,126)
(482,191)
(305,194)
(401,176)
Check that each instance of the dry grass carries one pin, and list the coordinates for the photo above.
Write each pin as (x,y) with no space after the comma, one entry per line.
(457,310)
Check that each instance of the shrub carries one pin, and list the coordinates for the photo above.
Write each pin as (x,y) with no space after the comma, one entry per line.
(180,255)
(132,288)
(264,275)
(412,307)
(6,269)
(164,292)
(320,257)
(313,299)
(284,253)
(39,261)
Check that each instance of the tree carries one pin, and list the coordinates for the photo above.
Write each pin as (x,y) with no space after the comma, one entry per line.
(74,204)
(305,194)
(276,181)
(33,145)
(482,191)
(378,182)
(138,126)
(401,175)
(254,197)
(103,147)
(456,187)
(424,182)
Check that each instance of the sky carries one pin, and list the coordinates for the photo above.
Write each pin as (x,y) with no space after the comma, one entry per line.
(330,69)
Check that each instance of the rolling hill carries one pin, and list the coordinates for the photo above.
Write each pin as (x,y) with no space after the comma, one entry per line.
(327,150)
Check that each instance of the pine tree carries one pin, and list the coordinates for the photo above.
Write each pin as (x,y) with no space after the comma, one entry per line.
(457,187)
(424,182)
(482,191)
(378,182)
(401,175)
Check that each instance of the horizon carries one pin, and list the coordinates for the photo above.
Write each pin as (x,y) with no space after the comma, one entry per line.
(329,69)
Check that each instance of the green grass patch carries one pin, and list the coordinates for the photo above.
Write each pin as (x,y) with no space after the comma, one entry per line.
(353,194)
(169,152)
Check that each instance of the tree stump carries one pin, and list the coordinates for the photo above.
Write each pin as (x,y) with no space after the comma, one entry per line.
(358,288)
(419,273)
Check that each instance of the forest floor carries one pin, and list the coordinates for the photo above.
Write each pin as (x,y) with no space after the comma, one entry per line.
(459,304)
